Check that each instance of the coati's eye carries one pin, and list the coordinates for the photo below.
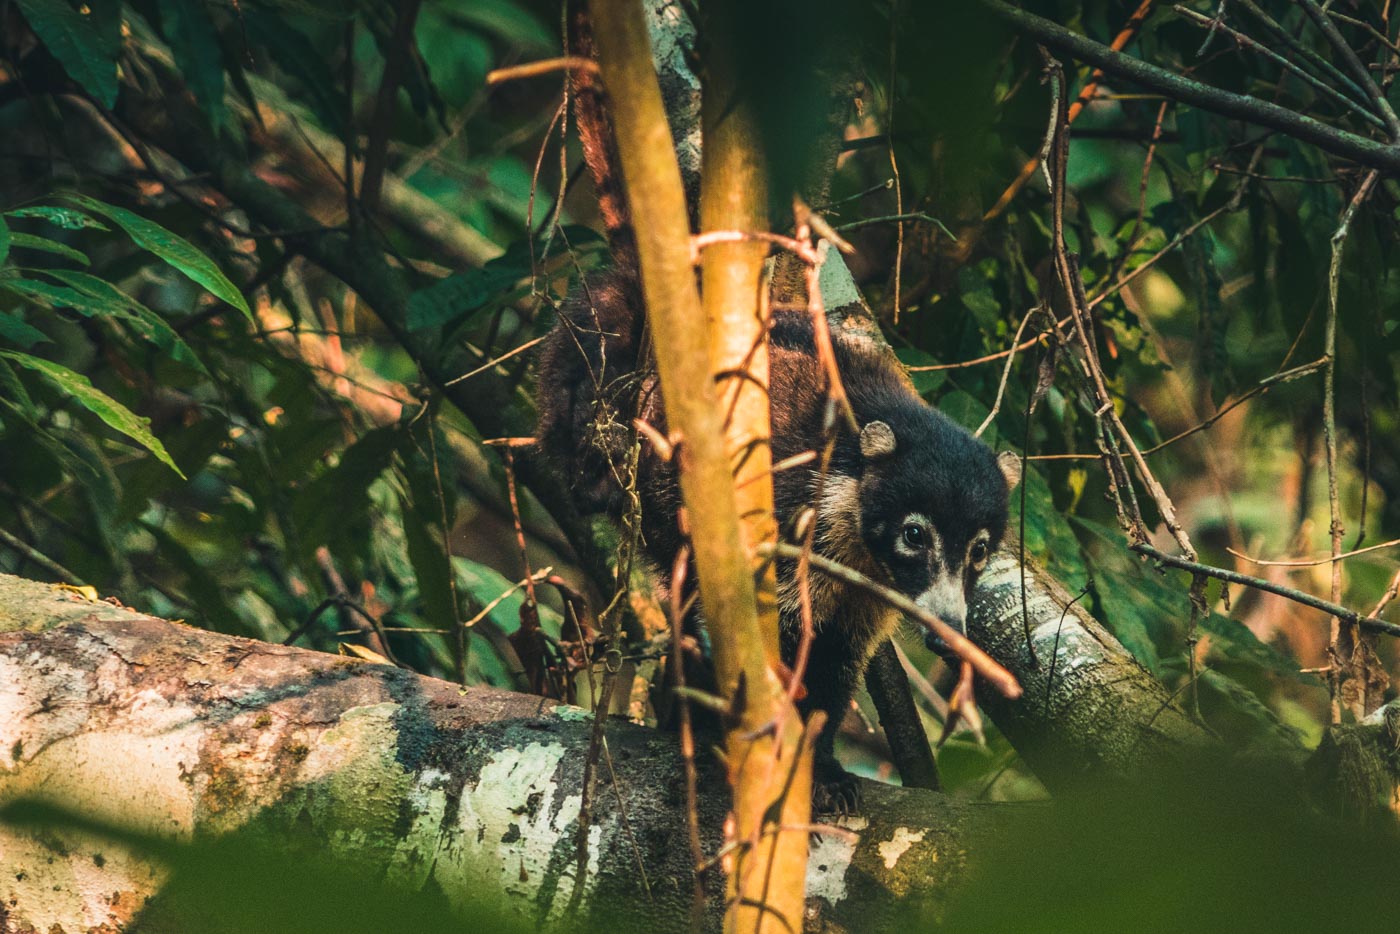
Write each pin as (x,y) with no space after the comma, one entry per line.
(913,536)
(978,553)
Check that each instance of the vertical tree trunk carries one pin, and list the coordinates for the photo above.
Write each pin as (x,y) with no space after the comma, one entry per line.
(769,773)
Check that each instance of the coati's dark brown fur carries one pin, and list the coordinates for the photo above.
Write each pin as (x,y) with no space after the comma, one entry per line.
(913,501)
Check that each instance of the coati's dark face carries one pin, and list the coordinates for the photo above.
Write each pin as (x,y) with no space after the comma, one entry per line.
(933,507)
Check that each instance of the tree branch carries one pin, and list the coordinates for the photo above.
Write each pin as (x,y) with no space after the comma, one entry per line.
(1359,149)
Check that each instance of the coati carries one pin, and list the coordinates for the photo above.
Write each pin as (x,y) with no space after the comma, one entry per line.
(913,500)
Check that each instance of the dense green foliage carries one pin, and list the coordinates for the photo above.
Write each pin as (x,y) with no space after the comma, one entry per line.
(202,418)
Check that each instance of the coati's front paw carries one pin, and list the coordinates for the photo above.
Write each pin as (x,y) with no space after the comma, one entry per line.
(834,790)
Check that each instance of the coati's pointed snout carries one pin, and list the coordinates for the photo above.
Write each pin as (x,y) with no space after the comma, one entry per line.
(946,600)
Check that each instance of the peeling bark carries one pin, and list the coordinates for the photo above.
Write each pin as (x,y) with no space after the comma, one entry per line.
(182,733)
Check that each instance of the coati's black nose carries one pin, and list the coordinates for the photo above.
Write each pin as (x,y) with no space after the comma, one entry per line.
(936,644)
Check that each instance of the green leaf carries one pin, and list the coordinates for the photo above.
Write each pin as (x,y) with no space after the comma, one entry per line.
(335,504)
(17,398)
(1139,606)
(195,44)
(18,331)
(1231,639)
(1239,717)
(291,51)
(201,585)
(79,43)
(174,249)
(506,19)
(145,323)
(48,295)
(459,296)
(81,391)
(4,241)
(31,242)
(430,564)
(67,218)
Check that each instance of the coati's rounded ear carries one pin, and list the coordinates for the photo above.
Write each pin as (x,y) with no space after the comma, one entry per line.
(1010,464)
(876,440)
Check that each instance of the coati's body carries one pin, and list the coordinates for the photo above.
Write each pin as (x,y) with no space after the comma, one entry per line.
(909,467)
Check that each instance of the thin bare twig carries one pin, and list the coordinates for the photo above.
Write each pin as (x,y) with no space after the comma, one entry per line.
(350,610)
(535,578)
(1073,287)
(1151,261)
(1372,153)
(1353,64)
(1086,94)
(1005,375)
(1390,594)
(1286,64)
(1298,48)
(1312,562)
(989,358)
(459,629)
(44,561)
(692,812)
(499,360)
(1368,623)
(1262,386)
(896,218)
(544,67)
(1342,646)
(1003,680)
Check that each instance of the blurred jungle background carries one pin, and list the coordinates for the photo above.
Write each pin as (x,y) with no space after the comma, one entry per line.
(272,272)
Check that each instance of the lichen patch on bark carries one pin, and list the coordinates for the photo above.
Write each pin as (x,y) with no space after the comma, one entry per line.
(895,847)
(828,858)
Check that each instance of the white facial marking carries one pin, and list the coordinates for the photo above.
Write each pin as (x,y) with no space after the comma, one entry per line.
(946,599)
(983,539)
(932,543)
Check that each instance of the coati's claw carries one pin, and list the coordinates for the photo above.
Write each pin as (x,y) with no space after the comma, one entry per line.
(834,790)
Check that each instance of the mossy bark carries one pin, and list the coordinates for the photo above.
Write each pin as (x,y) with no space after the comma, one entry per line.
(186,734)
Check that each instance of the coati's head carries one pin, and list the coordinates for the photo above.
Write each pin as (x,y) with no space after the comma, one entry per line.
(933,507)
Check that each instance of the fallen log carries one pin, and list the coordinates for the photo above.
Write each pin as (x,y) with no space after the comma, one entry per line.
(183,734)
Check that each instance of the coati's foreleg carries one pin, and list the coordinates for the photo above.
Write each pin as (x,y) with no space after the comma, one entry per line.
(833,674)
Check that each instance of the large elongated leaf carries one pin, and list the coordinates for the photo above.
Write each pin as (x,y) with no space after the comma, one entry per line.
(1232,640)
(15,331)
(4,240)
(454,299)
(30,242)
(116,415)
(333,507)
(140,319)
(59,216)
(171,247)
(80,42)
(431,566)
(200,583)
(58,296)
